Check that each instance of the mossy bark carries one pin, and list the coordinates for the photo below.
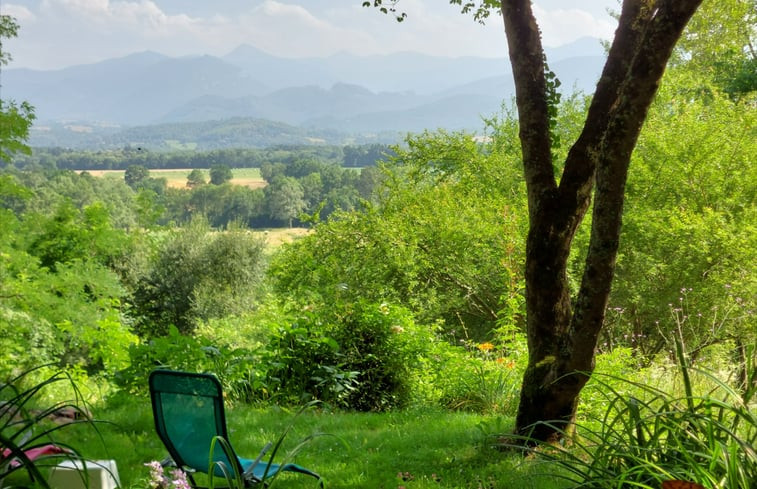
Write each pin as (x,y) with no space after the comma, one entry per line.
(563,329)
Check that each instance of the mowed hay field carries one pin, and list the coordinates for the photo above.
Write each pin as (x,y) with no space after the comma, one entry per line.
(276,237)
(177,178)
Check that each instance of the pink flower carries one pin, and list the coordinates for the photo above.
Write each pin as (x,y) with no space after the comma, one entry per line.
(158,479)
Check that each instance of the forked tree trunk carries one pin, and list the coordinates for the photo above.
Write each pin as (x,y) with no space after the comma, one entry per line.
(562,330)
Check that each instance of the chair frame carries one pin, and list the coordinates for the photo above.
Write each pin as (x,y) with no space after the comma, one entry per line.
(221,436)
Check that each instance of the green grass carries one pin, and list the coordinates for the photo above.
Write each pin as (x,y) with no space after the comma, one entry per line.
(630,434)
(430,448)
(246,172)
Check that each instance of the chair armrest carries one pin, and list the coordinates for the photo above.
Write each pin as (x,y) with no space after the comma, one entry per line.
(257,460)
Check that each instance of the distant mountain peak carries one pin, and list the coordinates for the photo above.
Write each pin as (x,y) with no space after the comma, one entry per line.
(581,47)
(246,51)
(401,91)
(350,89)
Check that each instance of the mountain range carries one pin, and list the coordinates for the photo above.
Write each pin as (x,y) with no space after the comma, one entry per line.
(402,92)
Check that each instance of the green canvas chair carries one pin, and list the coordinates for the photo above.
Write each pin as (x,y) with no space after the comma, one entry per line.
(189,414)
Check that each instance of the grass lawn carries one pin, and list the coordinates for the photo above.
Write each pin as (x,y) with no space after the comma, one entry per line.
(412,449)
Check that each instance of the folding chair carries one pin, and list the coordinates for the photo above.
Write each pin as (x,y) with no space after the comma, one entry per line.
(189,414)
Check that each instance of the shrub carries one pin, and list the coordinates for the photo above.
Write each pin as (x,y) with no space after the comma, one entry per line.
(196,275)
(301,363)
(362,356)
(375,342)
(233,367)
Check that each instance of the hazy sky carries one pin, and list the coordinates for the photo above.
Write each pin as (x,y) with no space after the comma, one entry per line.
(59,33)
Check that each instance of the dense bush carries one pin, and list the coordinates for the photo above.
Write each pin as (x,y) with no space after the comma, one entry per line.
(60,298)
(362,356)
(686,242)
(300,364)
(196,274)
(380,342)
(235,367)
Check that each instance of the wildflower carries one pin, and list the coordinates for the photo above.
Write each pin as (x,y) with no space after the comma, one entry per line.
(156,474)
(505,363)
(159,480)
(485,346)
(405,476)
(179,480)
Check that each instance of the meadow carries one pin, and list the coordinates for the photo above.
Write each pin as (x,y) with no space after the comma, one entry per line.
(177,177)
(415,448)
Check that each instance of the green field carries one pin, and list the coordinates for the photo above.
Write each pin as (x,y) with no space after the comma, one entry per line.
(177,178)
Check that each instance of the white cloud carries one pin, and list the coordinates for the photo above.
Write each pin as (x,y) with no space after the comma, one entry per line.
(431,27)
(57,33)
(293,31)
(561,26)
(19,12)
(138,16)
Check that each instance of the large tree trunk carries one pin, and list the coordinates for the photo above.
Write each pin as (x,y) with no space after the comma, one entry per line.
(562,331)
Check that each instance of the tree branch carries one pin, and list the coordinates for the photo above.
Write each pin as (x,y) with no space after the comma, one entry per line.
(660,25)
(527,60)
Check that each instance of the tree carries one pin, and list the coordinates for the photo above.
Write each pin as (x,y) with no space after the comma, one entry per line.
(220,174)
(562,329)
(720,46)
(196,178)
(434,242)
(15,119)
(136,176)
(285,199)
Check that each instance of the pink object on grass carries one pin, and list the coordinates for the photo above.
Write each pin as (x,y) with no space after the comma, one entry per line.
(34,453)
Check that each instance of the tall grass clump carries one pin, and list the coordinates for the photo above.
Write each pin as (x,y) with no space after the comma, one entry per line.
(480,377)
(32,425)
(654,435)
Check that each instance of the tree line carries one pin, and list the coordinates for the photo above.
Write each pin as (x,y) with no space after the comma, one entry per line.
(66,159)
(295,193)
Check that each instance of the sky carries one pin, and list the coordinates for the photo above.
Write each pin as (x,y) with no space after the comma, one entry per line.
(59,33)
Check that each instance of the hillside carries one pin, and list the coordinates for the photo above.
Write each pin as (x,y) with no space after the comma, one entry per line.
(342,96)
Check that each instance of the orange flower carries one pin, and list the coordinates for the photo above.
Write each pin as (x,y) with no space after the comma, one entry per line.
(485,346)
(507,364)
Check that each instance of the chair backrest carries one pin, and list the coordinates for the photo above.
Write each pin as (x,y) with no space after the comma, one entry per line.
(188,413)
